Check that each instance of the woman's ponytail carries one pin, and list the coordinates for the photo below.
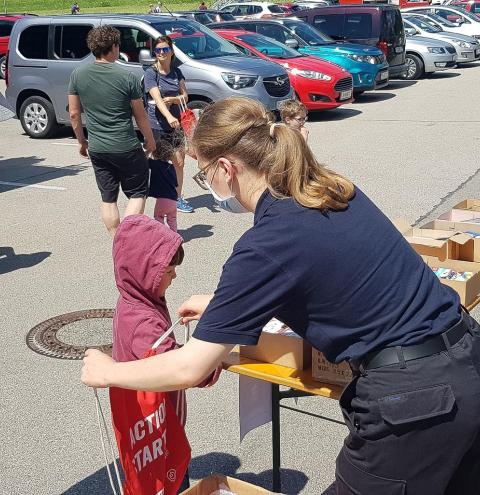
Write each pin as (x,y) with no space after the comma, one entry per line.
(242,128)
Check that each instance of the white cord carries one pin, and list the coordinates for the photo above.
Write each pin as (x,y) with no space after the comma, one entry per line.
(103,433)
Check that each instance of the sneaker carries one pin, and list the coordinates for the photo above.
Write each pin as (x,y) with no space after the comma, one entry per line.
(184,206)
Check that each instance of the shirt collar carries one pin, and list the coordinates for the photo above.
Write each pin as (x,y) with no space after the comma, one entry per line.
(263,204)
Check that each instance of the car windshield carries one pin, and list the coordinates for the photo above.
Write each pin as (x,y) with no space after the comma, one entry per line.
(310,35)
(425,26)
(466,14)
(441,20)
(268,46)
(275,9)
(195,40)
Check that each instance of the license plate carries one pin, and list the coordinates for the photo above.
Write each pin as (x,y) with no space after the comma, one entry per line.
(346,95)
(383,75)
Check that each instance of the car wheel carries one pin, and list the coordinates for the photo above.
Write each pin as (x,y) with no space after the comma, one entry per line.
(198,106)
(37,117)
(3,67)
(414,67)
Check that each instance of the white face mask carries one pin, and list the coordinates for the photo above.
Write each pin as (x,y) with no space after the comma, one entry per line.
(230,203)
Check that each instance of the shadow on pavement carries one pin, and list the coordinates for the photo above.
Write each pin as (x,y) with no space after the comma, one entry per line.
(334,114)
(373,96)
(26,170)
(196,232)
(204,201)
(218,462)
(400,83)
(201,467)
(467,66)
(10,261)
(442,75)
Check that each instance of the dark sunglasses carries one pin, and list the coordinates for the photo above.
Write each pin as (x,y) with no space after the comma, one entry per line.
(164,49)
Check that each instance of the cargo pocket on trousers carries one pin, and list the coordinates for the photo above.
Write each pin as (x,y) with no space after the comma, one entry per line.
(351,480)
(406,409)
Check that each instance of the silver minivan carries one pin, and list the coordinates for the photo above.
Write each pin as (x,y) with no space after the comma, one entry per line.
(43,52)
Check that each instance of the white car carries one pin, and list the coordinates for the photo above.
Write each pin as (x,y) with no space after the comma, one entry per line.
(470,23)
(468,48)
(254,10)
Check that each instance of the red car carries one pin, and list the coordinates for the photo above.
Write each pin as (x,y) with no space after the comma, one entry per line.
(318,84)
(6,26)
(472,6)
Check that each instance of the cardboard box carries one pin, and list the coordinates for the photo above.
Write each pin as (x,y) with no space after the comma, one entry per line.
(278,344)
(470,251)
(228,486)
(468,204)
(442,244)
(467,290)
(327,372)
(468,216)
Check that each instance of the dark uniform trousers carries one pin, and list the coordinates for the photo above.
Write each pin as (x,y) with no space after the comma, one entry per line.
(415,428)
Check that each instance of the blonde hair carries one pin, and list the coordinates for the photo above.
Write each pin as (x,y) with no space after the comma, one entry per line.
(290,108)
(242,128)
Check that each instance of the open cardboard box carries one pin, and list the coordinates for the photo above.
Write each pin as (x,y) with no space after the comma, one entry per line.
(464,216)
(327,372)
(278,344)
(470,251)
(442,244)
(217,484)
(468,204)
(467,290)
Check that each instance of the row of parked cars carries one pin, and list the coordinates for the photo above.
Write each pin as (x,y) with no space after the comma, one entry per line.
(324,56)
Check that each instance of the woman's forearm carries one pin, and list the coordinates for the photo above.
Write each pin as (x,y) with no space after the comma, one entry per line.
(160,104)
(174,370)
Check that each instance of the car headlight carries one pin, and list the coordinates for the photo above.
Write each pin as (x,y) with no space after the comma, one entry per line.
(239,81)
(368,59)
(311,74)
(461,43)
(435,49)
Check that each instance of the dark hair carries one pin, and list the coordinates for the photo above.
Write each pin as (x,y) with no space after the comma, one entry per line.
(166,39)
(100,40)
(177,258)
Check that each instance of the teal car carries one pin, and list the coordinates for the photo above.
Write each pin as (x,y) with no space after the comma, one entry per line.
(367,64)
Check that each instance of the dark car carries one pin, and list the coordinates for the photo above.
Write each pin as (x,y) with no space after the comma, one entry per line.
(379,25)
(206,16)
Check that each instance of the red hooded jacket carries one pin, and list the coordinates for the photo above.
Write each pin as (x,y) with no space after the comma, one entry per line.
(142,251)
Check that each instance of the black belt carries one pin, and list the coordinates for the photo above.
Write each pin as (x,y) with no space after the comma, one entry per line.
(433,345)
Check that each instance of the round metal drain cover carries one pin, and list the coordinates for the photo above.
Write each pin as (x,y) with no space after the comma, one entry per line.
(68,336)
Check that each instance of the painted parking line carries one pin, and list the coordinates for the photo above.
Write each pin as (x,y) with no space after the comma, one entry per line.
(36,186)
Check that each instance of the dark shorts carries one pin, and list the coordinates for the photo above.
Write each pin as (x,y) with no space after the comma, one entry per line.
(128,169)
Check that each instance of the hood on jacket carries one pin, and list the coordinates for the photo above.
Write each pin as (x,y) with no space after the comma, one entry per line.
(142,251)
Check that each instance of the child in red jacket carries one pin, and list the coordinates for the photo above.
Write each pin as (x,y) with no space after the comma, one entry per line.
(145,255)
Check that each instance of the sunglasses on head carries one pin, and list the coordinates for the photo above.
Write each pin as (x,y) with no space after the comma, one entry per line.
(164,49)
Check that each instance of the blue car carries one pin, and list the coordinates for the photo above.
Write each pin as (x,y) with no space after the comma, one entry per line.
(367,64)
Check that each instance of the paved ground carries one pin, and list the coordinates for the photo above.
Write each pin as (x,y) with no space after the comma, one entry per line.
(412,147)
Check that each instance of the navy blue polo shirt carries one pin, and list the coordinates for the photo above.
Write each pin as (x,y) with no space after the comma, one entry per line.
(346,281)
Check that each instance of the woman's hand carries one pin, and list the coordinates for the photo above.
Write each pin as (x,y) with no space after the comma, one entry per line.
(170,100)
(173,122)
(97,369)
(194,307)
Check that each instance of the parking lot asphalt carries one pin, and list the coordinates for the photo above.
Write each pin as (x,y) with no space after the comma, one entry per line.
(413,147)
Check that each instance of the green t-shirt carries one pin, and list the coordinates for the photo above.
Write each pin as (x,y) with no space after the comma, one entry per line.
(106,92)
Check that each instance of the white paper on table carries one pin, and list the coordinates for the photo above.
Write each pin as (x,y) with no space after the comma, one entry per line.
(255,404)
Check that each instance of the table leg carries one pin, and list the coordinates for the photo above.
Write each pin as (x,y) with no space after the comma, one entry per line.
(276,482)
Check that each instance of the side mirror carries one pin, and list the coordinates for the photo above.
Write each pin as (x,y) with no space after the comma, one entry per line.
(145,57)
(291,43)
(460,21)
(409,31)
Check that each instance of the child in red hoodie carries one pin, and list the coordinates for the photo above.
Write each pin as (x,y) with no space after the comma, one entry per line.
(145,255)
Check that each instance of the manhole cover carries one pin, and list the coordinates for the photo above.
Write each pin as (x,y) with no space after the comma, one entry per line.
(69,336)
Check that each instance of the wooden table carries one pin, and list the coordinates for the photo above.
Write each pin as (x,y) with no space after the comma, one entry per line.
(299,383)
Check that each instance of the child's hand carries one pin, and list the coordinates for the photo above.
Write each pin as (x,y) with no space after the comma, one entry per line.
(97,368)
(194,307)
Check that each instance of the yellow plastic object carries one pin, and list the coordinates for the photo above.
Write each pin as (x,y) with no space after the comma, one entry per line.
(281,375)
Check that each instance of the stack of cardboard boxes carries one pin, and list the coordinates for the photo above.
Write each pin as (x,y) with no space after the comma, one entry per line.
(450,245)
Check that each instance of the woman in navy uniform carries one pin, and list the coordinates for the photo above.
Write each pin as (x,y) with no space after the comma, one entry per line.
(322,258)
